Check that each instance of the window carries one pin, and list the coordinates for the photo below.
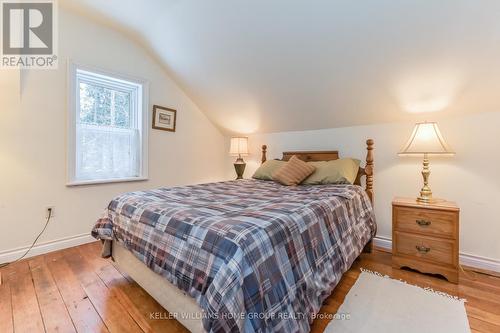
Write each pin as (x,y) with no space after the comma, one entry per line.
(107,127)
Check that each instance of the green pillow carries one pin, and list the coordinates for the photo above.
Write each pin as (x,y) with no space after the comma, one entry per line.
(341,171)
(267,169)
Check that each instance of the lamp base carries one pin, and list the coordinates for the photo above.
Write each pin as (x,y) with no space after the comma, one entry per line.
(428,201)
(425,199)
(425,192)
(239,167)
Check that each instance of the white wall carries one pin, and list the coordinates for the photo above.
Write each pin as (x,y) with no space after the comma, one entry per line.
(470,178)
(33,114)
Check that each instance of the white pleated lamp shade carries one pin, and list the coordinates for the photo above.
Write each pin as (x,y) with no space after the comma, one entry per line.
(239,146)
(426,139)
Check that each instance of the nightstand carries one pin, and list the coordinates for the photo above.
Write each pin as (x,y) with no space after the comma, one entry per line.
(425,236)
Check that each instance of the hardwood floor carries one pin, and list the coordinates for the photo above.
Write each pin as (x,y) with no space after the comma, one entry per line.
(74,290)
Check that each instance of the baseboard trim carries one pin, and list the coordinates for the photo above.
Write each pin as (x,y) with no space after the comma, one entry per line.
(482,263)
(46,247)
(385,243)
(466,259)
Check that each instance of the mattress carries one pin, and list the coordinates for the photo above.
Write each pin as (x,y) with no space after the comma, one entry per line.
(256,256)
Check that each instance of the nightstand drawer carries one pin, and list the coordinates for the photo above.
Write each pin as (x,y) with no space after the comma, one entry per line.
(432,249)
(432,223)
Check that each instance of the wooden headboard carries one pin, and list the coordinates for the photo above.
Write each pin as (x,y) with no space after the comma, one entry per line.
(329,155)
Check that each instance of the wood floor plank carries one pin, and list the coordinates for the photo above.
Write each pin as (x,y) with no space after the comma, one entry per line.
(81,310)
(54,313)
(25,310)
(116,283)
(6,322)
(97,294)
(109,307)
(138,302)
(486,316)
(483,326)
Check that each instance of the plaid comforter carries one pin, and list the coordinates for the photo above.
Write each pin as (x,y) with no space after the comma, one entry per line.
(257,256)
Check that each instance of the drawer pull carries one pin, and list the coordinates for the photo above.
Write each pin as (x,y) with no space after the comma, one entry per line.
(423,223)
(422,249)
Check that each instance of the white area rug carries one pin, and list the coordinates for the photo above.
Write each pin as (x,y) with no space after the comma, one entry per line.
(380,304)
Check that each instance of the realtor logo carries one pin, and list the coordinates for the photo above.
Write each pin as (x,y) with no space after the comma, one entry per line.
(29,38)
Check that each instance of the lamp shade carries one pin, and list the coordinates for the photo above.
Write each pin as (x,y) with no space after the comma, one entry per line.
(239,146)
(426,139)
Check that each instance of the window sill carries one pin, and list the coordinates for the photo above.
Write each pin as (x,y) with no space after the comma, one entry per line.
(105,181)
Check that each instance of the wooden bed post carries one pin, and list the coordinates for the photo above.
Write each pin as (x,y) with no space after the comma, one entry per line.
(264,151)
(369,184)
(369,169)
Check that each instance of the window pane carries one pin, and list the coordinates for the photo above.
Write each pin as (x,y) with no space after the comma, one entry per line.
(122,110)
(103,106)
(107,133)
(106,153)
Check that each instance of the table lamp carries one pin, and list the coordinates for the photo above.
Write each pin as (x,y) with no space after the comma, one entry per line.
(426,140)
(239,147)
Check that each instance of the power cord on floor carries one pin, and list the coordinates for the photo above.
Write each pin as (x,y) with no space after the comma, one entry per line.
(34,242)
(472,272)
(470,276)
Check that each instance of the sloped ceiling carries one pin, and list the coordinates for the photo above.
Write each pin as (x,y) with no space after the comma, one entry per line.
(282,65)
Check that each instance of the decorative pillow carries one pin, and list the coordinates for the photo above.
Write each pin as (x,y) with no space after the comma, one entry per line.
(293,172)
(341,171)
(267,169)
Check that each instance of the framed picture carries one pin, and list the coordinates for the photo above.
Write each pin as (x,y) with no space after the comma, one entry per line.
(164,118)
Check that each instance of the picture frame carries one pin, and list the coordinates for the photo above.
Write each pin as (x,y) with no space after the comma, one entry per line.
(164,118)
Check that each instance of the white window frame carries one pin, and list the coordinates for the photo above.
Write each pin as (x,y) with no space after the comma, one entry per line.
(73,110)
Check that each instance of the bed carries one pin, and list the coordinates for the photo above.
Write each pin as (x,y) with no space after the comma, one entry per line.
(244,255)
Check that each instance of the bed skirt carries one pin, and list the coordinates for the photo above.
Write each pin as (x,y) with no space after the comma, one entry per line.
(177,303)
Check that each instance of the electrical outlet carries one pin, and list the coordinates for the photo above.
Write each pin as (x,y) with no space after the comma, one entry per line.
(50,211)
